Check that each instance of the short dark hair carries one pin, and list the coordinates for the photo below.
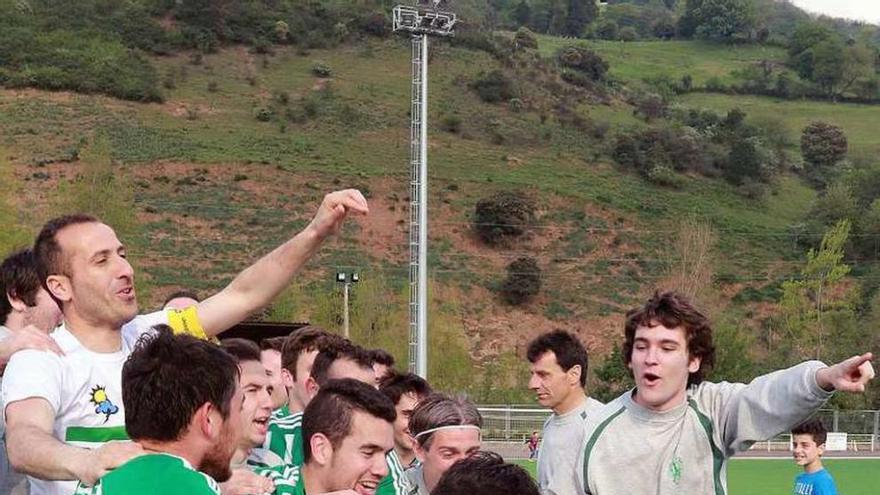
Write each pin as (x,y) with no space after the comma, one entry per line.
(383,357)
(330,412)
(306,339)
(485,472)
(341,349)
(567,348)
(396,385)
(47,250)
(272,343)
(168,377)
(181,293)
(814,428)
(241,349)
(673,310)
(18,280)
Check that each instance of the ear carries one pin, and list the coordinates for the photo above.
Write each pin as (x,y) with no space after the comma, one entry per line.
(821,449)
(16,303)
(207,421)
(574,375)
(322,449)
(286,378)
(59,286)
(312,387)
(694,364)
(421,453)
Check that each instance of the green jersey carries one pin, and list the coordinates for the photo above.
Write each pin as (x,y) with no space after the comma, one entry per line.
(154,473)
(288,479)
(284,437)
(395,483)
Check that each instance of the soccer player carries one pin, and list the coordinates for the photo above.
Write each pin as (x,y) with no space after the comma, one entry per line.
(348,430)
(270,355)
(181,299)
(405,390)
(383,363)
(27,315)
(808,446)
(558,366)
(485,473)
(56,405)
(674,433)
(338,358)
(183,404)
(445,430)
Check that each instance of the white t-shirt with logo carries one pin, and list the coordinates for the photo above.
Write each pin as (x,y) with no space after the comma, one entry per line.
(83,387)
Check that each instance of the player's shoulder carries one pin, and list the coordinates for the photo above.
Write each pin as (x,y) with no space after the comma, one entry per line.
(176,476)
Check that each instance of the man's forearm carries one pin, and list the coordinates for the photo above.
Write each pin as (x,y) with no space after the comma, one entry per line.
(36,453)
(259,284)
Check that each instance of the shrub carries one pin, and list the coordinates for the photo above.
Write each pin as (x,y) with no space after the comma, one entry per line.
(607,30)
(628,34)
(264,114)
(493,87)
(321,69)
(451,123)
(524,38)
(503,216)
(523,281)
(583,60)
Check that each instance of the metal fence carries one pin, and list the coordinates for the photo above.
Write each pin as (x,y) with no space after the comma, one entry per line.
(507,427)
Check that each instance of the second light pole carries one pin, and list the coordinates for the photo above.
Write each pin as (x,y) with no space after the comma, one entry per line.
(346,279)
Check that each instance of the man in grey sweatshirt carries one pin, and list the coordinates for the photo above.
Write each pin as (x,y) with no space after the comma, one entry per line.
(558,366)
(674,433)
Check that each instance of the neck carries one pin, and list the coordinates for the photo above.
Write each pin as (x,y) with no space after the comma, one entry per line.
(180,449)
(574,400)
(814,466)
(312,481)
(14,321)
(239,457)
(672,403)
(96,337)
(294,405)
(406,456)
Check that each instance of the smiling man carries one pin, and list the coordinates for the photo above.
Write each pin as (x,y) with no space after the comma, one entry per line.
(62,410)
(347,430)
(558,366)
(674,433)
(405,390)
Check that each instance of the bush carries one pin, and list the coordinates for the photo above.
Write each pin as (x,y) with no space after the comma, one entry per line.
(648,149)
(493,87)
(524,38)
(523,281)
(628,34)
(650,106)
(320,69)
(714,84)
(607,30)
(583,60)
(503,216)
(264,114)
(823,144)
(451,123)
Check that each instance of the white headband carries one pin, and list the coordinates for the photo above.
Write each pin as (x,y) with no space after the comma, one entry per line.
(449,427)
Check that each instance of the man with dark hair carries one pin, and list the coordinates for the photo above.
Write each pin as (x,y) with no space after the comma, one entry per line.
(485,473)
(27,315)
(181,299)
(348,429)
(285,426)
(674,432)
(341,359)
(383,363)
(558,366)
(446,429)
(270,355)
(405,391)
(83,266)
(183,403)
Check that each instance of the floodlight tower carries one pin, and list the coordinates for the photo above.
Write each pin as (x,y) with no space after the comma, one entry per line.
(420,21)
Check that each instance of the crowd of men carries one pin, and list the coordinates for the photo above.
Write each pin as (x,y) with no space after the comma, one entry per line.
(97,399)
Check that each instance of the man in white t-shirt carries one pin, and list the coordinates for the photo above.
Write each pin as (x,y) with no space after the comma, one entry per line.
(27,315)
(55,405)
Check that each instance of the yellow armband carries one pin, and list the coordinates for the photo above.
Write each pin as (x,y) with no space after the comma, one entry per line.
(186,321)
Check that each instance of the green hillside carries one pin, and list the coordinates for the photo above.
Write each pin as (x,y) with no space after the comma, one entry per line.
(243,144)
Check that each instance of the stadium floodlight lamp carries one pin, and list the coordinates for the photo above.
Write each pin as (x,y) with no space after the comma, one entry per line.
(340,277)
(423,20)
(355,278)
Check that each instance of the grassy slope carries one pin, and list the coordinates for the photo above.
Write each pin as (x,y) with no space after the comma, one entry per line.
(601,231)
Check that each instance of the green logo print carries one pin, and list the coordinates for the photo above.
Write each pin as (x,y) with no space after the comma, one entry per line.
(675,469)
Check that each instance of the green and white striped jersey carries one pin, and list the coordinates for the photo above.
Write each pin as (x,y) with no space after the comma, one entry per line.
(288,479)
(284,437)
(395,483)
(151,474)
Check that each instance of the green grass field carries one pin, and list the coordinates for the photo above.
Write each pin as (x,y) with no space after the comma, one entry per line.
(776,476)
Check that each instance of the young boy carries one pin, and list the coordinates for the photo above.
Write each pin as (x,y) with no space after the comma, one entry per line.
(808,444)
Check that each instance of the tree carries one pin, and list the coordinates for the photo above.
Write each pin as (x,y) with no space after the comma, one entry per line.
(503,216)
(822,146)
(524,38)
(523,281)
(522,14)
(691,266)
(818,290)
(580,14)
(719,20)
(607,29)
(583,60)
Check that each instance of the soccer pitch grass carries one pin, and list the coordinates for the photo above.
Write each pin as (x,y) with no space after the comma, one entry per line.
(776,476)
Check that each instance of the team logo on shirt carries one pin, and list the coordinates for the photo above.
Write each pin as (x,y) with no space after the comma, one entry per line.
(100,399)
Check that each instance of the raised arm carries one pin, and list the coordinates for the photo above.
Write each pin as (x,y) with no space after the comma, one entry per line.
(259,284)
(33,449)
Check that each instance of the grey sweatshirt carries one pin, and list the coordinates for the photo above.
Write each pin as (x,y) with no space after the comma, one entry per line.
(562,442)
(632,450)
(416,481)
